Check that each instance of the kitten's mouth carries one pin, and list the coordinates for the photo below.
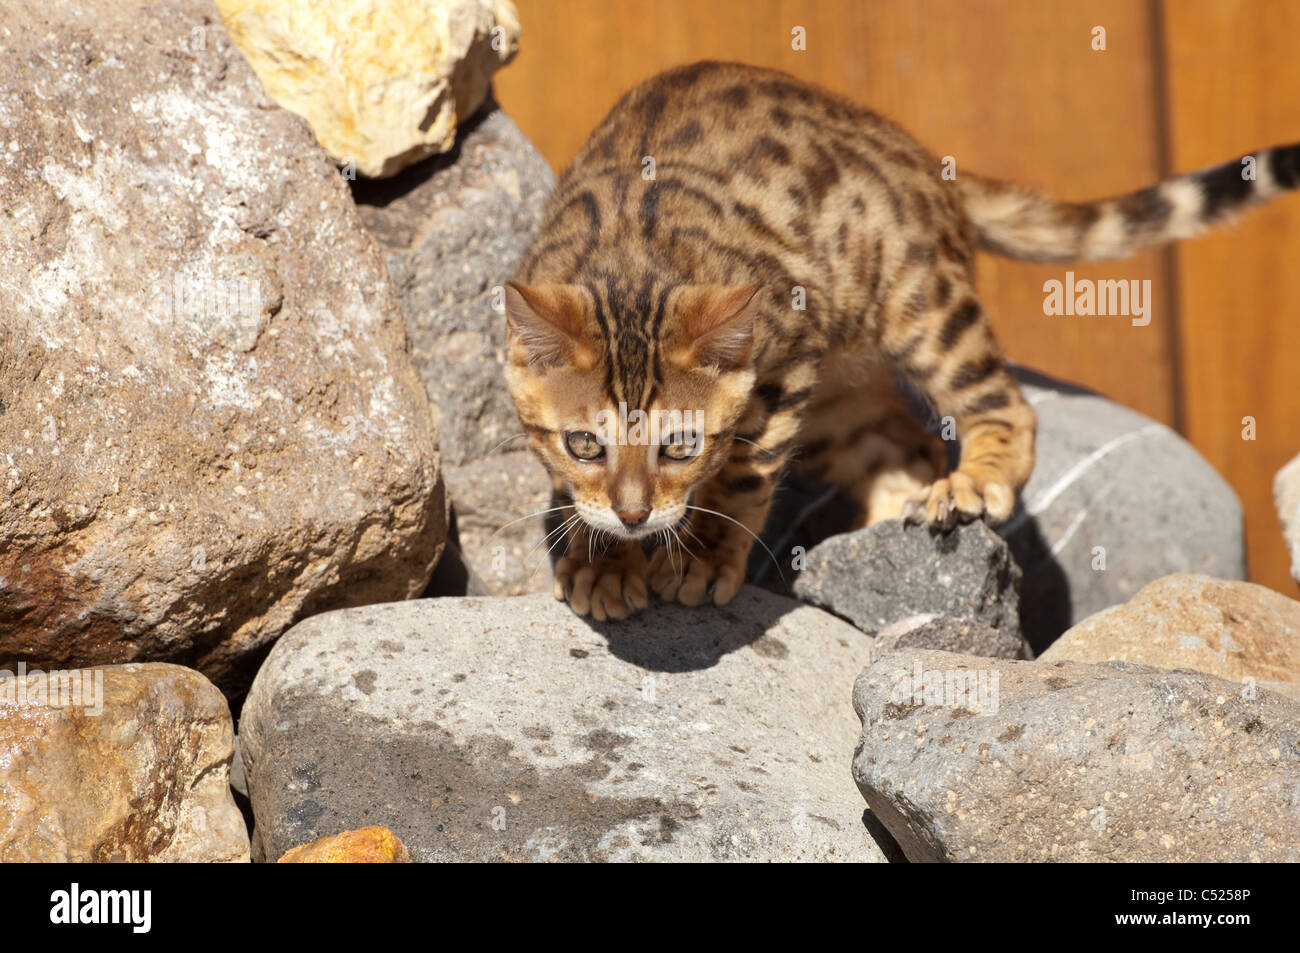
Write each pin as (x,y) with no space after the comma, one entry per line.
(657,523)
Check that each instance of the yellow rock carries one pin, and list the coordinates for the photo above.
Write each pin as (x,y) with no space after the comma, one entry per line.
(369,845)
(122,763)
(383,83)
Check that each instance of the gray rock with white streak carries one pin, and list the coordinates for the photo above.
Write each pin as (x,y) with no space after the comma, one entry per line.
(1116,501)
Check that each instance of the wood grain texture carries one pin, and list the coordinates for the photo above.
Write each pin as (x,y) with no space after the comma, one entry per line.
(1013,88)
(1234,74)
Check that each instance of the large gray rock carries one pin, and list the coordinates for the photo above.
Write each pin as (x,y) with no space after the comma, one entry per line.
(973,759)
(453,229)
(509,728)
(1116,501)
(891,572)
(1286,495)
(209,422)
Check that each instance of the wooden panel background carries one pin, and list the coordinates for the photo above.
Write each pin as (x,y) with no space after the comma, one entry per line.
(1013,88)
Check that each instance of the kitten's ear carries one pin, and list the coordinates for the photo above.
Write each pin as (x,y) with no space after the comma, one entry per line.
(544,326)
(716,326)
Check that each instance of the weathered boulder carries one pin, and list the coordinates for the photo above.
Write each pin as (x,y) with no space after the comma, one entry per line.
(453,230)
(209,424)
(383,85)
(1286,495)
(1116,501)
(892,571)
(1235,630)
(974,759)
(509,728)
(369,845)
(121,763)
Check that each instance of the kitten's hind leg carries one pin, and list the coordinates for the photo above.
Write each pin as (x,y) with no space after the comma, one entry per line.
(858,435)
(949,352)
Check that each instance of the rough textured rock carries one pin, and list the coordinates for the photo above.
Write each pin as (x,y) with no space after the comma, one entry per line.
(129,764)
(1286,495)
(932,630)
(1234,630)
(1112,484)
(891,571)
(509,728)
(453,230)
(209,424)
(382,84)
(369,845)
(1069,761)
(505,548)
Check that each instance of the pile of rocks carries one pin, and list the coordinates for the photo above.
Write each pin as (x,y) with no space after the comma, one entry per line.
(238,386)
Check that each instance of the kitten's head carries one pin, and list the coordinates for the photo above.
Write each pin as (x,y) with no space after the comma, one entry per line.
(631,416)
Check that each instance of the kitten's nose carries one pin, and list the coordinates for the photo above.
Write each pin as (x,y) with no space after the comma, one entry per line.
(631,519)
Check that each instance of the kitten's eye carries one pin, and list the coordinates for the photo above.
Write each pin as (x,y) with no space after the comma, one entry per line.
(584,445)
(676,447)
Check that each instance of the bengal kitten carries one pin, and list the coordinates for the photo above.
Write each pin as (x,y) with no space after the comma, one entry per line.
(737,242)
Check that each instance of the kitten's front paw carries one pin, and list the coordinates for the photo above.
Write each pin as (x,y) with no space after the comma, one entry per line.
(611,586)
(691,580)
(962,496)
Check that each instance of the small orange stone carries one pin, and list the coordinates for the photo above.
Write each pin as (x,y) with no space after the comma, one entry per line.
(369,845)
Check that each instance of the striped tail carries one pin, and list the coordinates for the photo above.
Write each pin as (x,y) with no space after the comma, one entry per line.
(1020,223)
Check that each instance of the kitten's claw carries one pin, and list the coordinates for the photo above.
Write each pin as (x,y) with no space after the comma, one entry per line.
(613,587)
(959,498)
(696,581)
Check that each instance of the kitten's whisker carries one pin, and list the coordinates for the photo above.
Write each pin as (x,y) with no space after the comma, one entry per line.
(563,537)
(545,538)
(558,532)
(752,443)
(553,509)
(724,516)
(506,441)
(691,533)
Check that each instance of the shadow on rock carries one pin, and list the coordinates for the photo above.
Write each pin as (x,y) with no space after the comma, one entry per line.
(675,638)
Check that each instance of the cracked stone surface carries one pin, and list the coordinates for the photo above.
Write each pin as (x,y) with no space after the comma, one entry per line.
(511,729)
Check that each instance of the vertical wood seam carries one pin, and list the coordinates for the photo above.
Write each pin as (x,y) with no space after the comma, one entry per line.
(1170,264)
